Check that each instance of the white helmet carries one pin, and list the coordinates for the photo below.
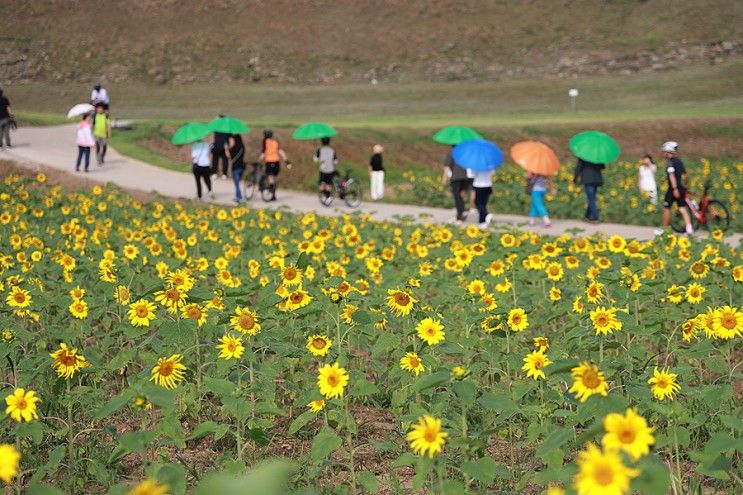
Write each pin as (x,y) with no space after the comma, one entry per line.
(670,147)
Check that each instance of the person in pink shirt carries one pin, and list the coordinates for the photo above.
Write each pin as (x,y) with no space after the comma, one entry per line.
(85,141)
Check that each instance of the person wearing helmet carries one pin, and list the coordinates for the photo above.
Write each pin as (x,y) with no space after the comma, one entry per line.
(271,156)
(676,193)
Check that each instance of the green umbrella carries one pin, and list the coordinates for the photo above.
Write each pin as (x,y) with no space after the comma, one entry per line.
(456,134)
(228,125)
(594,147)
(190,133)
(314,130)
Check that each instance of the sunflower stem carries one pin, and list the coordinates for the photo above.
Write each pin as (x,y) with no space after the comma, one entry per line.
(238,422)
(349,441)
(678,458)
(70,430)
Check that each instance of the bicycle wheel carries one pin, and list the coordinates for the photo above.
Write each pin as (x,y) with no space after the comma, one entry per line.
(352,194)
(267,191)
(717,215)
(249,187)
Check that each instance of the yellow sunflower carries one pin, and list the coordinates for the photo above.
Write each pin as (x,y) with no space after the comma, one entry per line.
(169,372)
(605,320)
(332,380)
(291,275)
(400,302)
(79,309)
(534,364)
(663,384)
(9,460)
(297,299)
(316,405)
(18,298)
(22,405)
(699,269)
(430,331)
(141,312)
(149,487)
(541,343)
(602,473)
(728,322)
(518,320)
(555,294)
(412,363)
(230,347)
(67,361)
(587,381)
(245,321)
(426,436)
(193,311)
(629,432)
(318,345)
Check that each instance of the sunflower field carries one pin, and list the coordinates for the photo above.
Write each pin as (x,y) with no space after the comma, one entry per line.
(146,346)
(620,200)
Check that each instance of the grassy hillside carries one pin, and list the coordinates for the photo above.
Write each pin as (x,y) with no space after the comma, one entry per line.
(348,40)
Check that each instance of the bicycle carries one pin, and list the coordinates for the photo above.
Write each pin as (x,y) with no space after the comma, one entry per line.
(348,189)
(256,178)
(705,213)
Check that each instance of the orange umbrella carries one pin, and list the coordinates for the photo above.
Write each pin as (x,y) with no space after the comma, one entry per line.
(535,157)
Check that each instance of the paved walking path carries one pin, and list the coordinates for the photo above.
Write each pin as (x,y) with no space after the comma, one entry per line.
(54,146)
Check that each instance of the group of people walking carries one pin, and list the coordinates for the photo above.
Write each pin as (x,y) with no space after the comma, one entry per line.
(476,187)
(94,130)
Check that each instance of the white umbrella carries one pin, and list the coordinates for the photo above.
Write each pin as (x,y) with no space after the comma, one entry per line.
(80,109)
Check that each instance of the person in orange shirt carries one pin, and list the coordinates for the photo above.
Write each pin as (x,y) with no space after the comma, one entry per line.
(271,156)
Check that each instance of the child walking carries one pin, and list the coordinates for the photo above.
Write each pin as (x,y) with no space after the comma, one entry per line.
(85,141)
(539,185)
(646,178)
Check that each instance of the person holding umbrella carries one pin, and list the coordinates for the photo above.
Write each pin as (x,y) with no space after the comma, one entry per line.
(482,157)
(194,134)
(327,160)
(540,163)
(236,155)
(459,179)
(219,152)
(594,149)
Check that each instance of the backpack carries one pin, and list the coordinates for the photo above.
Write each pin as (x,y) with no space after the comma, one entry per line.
(530,184)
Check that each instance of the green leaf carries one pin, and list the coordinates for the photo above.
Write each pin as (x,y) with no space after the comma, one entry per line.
(466,392)
(301,421)
(452,487)
(654,477)
(324,444)
(431,381)
(33,430)
(43,489)
(368,482)
(203,429)
(136,441)
(555,440)
(362,317)
(483,470)
(173,475)
(55,458)
(219,386)
(269,478)
(732,422)
(405,459)
(114,404)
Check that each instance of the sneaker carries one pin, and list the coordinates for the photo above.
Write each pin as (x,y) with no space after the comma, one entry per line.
(659,231)
(224,177)
(212,195)
(689,229)
(484,226)
(489,218)
(532,222)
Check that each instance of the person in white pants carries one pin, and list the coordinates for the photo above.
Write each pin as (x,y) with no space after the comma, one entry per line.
(376,172)
(646,178)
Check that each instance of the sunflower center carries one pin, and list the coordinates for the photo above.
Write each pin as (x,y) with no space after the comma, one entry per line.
(414,362)
(20,297)
(231,346)
(538,364)
(430,436)
(21,404)
(728,322)
(67,359)
(661,383)
(173,295)
(247,322)
(402,299)
(290,273)
(318,343)
(296,298)
(602,320)
(142,311)
(333,380)
(194,313)
(627,435)
(166,368)
(603,474)
(516,319)
(697,268)
(591,379)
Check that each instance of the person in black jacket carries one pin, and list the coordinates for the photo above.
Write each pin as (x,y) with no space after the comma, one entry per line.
(589,175)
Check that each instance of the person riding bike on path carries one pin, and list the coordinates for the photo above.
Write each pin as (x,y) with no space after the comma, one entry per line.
(6,118)
(271,156)
(99,95)
(676,193)
(327,159)
(219,153)
(101,133)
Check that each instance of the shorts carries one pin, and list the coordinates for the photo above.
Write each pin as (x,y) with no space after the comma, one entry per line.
(327,178)
(273,168)
(669,198)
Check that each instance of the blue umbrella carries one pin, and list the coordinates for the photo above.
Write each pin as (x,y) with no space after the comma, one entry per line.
(478,155)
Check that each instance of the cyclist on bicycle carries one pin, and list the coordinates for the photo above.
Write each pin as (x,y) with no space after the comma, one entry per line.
(676,193)
(272,155)
(325,156)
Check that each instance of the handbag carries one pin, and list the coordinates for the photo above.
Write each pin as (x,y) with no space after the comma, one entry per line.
(530,185)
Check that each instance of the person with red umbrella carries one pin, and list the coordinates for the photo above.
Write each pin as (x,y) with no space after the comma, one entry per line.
(540,163)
